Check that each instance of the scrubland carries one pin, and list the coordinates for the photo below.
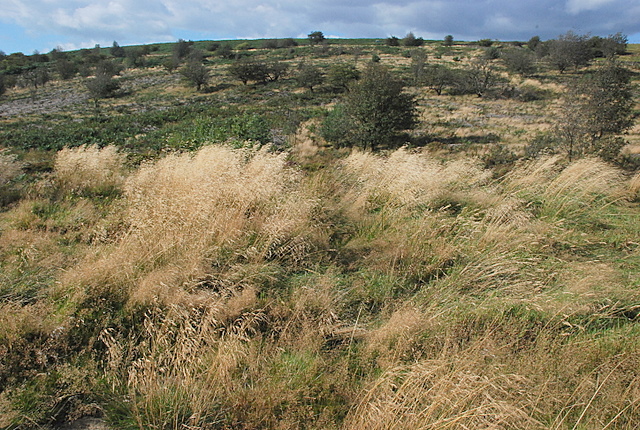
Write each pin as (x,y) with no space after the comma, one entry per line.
(232,288)
(173,259)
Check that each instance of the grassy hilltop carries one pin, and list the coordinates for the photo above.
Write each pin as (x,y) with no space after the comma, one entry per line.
(177,258)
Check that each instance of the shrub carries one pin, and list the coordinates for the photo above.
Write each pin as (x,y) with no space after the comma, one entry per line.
(448,40)
(519,60)
(411,40)
(309,76)
(393,41)
(341,75)
(375,109)
(316,37)
(195,71)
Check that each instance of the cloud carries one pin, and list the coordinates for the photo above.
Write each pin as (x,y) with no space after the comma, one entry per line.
(144,21)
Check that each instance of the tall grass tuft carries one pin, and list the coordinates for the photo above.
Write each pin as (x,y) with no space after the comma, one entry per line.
(9,167)
(177,372)
(197,216)
(90,170)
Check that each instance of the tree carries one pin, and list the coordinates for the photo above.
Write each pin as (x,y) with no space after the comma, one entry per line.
(612,45)
(533,43)
(66,69)
(276,70)
(182,48)
(479,78)
(258,71)
(117,50)
(36,77)
(437,77)
(246,71)
(411,40)
(568,50)
(103,85)
(448,40)
(309,76)
(135,57)
(519,60)
(373,113)
(597,109)
(316,37)
(3,88)
(418,62)
(195,71)
(341,75)
(393,41)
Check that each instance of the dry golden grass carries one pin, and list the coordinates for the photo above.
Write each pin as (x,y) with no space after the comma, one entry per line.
(634,187)
(89,169)
(492,384)
(395,290)
(188,213)
(180,372)
(9,167)
(408,180)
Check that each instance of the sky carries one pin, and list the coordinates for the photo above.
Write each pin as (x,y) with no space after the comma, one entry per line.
(42,25)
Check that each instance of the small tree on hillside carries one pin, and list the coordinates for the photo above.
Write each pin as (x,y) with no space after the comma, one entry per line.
(569,50)
(411,40)
(246,71)
(373,113)
(438,77)
(393,41)
(597,109)
(195,71)
(481,77)
(66,69)
(519,60)
(117,50)
(309,76)
(316,37)
(341,75)
(418,64)
(103,85)
(276,70)
(182,48)
(448,40)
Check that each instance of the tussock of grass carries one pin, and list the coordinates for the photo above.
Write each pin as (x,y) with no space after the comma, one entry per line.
(89,169)
(192,216)
(9,167)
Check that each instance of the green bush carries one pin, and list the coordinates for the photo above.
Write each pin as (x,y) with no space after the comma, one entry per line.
(373,113)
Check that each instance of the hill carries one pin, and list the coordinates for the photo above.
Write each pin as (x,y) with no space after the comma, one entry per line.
(174,257)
